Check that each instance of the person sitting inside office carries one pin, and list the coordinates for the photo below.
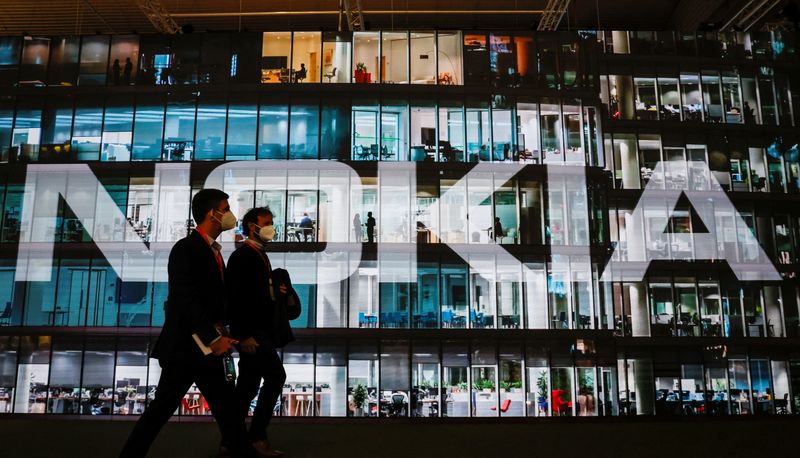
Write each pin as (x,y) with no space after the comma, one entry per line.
(306,226)
(301,74)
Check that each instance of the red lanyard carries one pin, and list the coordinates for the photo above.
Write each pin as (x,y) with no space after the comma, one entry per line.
(261,254)
(217,254)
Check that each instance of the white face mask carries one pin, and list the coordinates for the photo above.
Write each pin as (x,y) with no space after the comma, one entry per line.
(228,220)
(267,233)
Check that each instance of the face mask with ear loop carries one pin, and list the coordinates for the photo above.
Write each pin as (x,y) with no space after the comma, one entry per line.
(228,220)
(266,233)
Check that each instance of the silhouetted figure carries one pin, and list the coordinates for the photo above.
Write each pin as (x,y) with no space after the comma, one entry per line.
(115,70)
(498,229)
(126,73)
(749,114)
(357,232)
(301,74)
(370,228)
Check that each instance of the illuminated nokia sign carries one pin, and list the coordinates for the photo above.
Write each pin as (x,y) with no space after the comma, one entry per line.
(135,260)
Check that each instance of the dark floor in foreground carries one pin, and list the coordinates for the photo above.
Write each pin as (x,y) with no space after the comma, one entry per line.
(648,437)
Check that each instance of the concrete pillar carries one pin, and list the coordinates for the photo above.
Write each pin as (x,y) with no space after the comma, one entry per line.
(629,163)
(640,323)
(625,97)
(772,306)
(620,39)
(643,382)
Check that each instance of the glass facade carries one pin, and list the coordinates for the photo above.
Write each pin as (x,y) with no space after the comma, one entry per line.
(501,197)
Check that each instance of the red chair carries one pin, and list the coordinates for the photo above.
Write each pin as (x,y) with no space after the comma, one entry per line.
(189,408)
(503,407)
(560,406)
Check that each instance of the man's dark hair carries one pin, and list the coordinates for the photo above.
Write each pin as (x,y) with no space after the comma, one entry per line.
(252,216)
(205,200)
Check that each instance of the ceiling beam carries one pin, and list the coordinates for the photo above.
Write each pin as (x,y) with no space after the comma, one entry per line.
(157,14)
(336,12)
(749,15)
(553,13)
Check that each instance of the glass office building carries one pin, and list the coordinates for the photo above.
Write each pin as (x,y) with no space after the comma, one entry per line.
(505,172)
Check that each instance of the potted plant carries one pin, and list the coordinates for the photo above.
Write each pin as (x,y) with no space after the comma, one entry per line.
(361,73)
(516,387)
(504,386)
(541,386)
(359,398)
(586,394)
(462,386)
(484,385)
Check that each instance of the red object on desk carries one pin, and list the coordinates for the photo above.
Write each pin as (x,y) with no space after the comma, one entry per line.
(559,405)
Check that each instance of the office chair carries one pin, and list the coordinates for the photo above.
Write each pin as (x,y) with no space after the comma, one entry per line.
(503,407)
(331,75)
(398,405)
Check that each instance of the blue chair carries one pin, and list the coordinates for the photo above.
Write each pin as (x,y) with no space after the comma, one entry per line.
(362,319)
(447,318)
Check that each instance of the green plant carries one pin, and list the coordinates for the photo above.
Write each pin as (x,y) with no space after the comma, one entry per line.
(359,396)
(541,384)
(504,385)
(517,384)
(462,386)
(586,384)
(361,67)
(484,384)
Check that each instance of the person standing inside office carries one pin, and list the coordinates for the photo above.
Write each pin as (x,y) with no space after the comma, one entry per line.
(191,345)
(252,311)
(370,228)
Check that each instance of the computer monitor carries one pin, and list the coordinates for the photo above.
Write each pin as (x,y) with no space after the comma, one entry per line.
(428,136)
(274,62)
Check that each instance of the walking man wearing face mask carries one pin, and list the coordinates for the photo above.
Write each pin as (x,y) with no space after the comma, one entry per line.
(192,343)
(252,314)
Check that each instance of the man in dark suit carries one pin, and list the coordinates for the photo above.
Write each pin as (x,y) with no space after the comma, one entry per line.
(370,228)
(191,345)
(252,313)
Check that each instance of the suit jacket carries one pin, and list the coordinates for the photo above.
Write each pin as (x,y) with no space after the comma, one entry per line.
(195,302)
(251,309)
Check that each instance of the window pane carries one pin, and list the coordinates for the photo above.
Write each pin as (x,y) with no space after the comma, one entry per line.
(365,57)
(179,127)
(306,60)
(394,58)
(148,127)
(335,129)
(273,128)
(304,131)
(242,121)
(423,58)
(449,45)
(275,52)
(210,131)
(476,60)
(336,47)
(123,60)
(117,129)
(94,60)
(35,53)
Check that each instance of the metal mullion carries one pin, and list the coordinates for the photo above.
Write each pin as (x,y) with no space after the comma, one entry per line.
(498,366)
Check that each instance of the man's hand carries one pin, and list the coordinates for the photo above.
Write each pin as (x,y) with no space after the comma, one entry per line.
(249,345)
(222,345)
(282,288)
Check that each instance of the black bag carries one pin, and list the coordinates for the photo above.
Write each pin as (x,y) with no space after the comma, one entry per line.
(287,307)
